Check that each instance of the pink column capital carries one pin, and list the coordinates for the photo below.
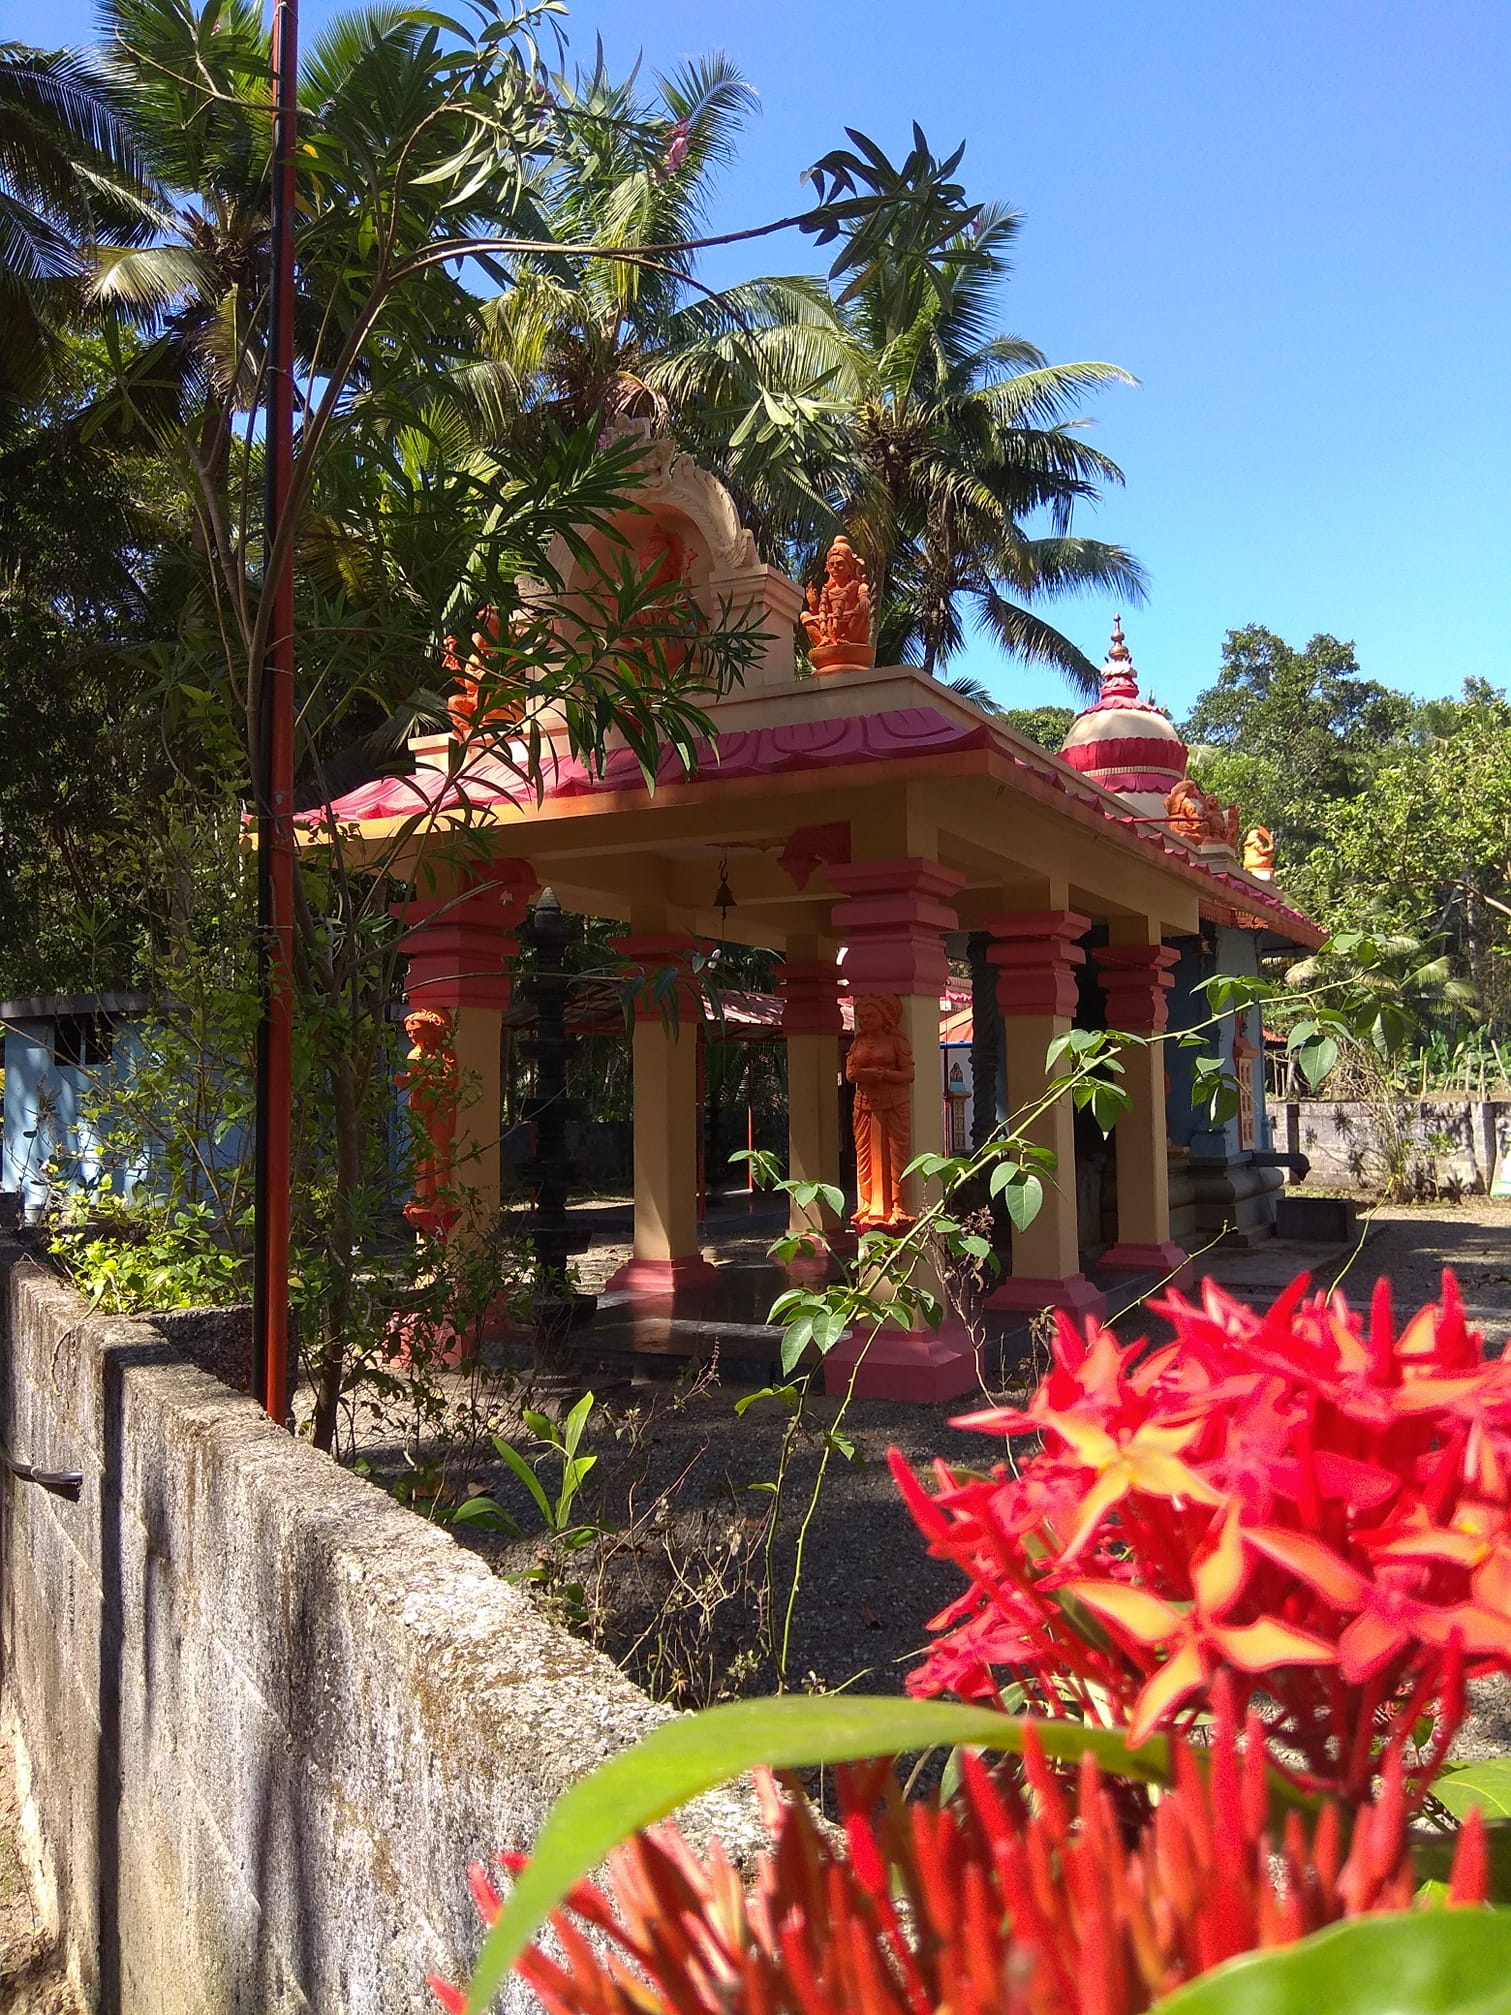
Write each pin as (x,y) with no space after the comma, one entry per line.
(809,990)
(1136,980)
(648,953)
(893,924)
(461,946)
(1036,953)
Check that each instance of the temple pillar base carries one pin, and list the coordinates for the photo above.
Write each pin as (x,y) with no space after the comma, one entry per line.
(1023,1293)
(660,1279)
(1129,1256)
(905,1364)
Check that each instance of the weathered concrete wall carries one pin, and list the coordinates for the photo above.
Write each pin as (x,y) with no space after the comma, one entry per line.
(1454,1140)
(269,1715)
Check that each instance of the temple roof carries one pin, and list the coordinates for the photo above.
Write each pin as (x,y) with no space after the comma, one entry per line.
(798,768)
(488,788)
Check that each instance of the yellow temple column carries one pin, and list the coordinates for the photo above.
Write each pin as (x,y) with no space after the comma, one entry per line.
(893,923)
(811,1024)
(1036,954)
(460,947)
(1134,971)
(666,1257)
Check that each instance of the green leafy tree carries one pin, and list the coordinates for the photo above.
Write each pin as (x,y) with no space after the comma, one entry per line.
(885,403)
(424,147)
(1048,726)
(1425,850)
(86,778)
(1285,733)
(579,339)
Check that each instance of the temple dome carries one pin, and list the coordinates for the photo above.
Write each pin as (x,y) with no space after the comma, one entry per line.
(1123,742)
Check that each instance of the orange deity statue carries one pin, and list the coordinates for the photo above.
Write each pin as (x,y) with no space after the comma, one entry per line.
(431,1080)
(838,617)
(880,1066)
(664,566)
(1200,817)
(1259,852)
(468,674)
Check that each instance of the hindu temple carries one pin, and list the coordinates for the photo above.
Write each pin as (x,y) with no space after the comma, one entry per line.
(881,833)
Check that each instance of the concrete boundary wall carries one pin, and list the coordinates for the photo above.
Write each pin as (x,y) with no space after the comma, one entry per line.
(1463,1141)
(268,1715)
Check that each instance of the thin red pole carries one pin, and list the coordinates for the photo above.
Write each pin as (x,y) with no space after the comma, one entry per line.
(275,777)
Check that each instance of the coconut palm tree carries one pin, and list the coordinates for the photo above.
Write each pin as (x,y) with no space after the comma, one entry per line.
(582,338)
(953,457)
(69,174)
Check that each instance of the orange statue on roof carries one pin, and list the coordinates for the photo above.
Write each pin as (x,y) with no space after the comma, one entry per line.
(469,674)
(1201,817)
(1259,852)
(838,619)
(880,1066)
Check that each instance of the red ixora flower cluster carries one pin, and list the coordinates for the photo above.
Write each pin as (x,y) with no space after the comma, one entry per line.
(1013,1898)
(1322,1507)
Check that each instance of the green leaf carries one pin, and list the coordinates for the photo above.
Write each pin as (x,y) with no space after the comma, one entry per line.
(526,1476)
(485,1511)
(1406,1962)
(796,1338)
(577,1420)
(1317,1060)
(1024,1201)
(789,1396)
(1463,1786)
(692,1754)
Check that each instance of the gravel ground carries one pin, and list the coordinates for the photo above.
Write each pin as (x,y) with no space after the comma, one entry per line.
(680,1589)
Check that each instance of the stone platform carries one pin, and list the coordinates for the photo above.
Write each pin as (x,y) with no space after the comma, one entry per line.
(724,1315)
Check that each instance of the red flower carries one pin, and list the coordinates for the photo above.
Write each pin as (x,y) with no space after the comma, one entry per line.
(1011,1899)
(676,148)
(1293,1494)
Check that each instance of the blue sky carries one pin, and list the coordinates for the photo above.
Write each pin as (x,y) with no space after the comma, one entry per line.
(1290,220)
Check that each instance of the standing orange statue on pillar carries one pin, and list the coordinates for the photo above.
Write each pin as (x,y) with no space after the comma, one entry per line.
(880,1066)
(431,1080)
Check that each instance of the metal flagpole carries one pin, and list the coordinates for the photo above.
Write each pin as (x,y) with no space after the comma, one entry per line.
(274,778)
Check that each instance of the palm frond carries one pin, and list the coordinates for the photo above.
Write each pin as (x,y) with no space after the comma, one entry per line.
(1024,635)
(1059,566)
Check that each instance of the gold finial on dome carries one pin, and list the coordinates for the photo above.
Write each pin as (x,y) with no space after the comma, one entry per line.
(1119,677)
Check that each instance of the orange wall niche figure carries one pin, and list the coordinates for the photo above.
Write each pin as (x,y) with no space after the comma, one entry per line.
(431,1080)
(880,1066)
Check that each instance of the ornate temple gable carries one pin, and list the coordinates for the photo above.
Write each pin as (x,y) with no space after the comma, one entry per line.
(684,525)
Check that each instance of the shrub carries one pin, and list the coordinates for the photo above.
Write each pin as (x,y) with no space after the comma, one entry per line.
(1008,1897)
(1316,1504)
